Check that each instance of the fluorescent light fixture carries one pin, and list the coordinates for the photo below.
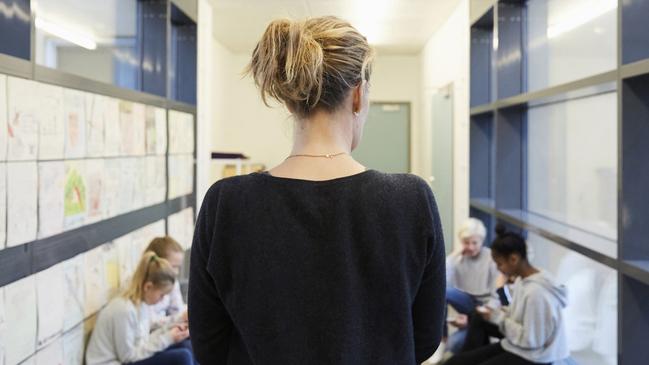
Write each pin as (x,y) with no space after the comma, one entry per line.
(368,17)
(77,37)
(580,17)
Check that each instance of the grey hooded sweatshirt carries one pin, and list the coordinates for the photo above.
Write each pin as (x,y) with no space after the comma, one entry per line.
(533,325)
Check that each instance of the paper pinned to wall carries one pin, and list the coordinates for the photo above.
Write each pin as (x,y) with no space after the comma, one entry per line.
(51,182)
(132,128)
(73,346)
(181,227)
(112,130)
(75,198)
(139,197)
(96,117)
(125,258)
(73,292)
(95,190)
(51,129)
(156,130)
(181,132)
(111,269)
(161,131)
(49,287)
(3,120)
(3,205)
(156,179)
(22,190)
(20,307)
(75,123)
(95,285)
(181,175)
(111,185)
(139,125)
(3,327)
(22,125)
(52,354)
(128,181)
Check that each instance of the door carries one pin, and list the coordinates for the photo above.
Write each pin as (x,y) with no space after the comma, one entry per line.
(386,138)
(442,178)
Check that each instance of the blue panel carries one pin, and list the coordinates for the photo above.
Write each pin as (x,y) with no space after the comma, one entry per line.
(15,28)
(183,86)
(635,175)
(481,159)
(635,39)
(509,157)
(152,42)
(481,50)
(509,56)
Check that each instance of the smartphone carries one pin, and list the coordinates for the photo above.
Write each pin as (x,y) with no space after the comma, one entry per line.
(504,295)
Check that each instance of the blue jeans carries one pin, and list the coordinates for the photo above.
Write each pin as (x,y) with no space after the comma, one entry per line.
(463,303)
(178,354)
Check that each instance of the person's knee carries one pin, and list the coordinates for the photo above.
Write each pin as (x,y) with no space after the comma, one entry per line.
(181,356)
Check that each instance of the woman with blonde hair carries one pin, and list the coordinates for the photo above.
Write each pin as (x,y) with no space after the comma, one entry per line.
(122,334)
(319,260)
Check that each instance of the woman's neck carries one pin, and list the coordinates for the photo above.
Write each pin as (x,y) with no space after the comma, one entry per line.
(323,133)
(527,270)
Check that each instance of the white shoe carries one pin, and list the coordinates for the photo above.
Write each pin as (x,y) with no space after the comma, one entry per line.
(437,356)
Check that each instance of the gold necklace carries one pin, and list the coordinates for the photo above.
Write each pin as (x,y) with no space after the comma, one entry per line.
(328,155)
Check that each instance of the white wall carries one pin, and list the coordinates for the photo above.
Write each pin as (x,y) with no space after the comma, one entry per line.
(396,78)
(445,60)
(206,67)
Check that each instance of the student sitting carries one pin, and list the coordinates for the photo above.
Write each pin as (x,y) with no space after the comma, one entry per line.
(471,277)
(531,328)
(172,308)
(123,335)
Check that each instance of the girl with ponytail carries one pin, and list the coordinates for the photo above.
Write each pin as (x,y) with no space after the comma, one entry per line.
(123,335)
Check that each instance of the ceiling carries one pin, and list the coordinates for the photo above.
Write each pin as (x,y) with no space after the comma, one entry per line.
(392,26)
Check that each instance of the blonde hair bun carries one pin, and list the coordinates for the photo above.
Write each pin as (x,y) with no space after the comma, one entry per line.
(310,64)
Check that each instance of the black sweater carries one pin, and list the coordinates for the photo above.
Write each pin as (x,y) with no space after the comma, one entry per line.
(344,271)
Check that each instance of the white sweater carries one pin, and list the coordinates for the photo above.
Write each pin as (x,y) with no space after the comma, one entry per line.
(473,275)
(169,310)
(122,335)
(533,326)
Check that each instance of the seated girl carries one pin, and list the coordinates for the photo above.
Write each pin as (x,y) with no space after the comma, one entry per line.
(123,335)
(172,308)
(531,327)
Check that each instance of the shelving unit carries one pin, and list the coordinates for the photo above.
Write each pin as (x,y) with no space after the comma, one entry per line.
(499,148)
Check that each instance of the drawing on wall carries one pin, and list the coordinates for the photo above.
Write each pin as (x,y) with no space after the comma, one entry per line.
(20,311)
(3,326)
(112,135)
(181,132)
(49,286)
(111,185)
(22,125)
(52,354)
(127,186)
(111,269)
(95,115)
(161,131)
(151,132)
(95,180)
(139,195)
(22,189)
(51,181)
(181,227)
(3,204)
(75,123)
(132,128)
(73,293)
(3,124)
(95,286)
(155,179)
(181,175)
(75,195)
(51,128)
(73,346)
(125,258)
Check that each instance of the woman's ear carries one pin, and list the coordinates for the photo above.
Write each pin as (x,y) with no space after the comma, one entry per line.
(357,97)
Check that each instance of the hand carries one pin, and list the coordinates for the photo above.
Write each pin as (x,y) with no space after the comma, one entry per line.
(184,317)
(485,312)
(178,333)
(460,321)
